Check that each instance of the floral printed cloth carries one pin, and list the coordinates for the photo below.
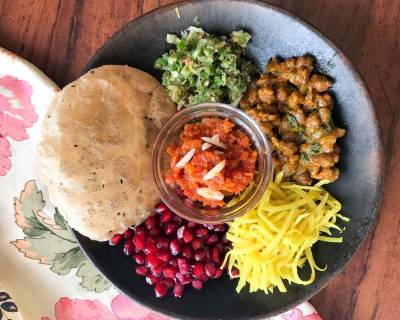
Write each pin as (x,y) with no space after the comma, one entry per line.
(43,272)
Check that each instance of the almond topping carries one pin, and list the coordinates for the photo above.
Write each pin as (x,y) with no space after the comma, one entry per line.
(215,141)
(186,158)
(214,171)
(210,194)
(206,146)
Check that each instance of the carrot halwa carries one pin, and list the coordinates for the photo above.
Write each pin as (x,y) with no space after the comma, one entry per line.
(212,159)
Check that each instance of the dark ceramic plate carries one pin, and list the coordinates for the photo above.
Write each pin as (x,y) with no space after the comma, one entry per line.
(274,32)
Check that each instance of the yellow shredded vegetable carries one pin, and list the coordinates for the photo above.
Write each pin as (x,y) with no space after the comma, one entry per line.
(274,239)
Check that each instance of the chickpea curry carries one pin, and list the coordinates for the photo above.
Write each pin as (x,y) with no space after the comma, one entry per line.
(293,106)
(212,159)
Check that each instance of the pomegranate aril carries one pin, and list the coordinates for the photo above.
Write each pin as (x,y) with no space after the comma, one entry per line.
(199,255)
(169,283)
(197,284)
(161,207)
(128,248)
(150,248)
(212,239)
(210,269)
(219,228)
(170,228)
(198,270)
(162,243)
(140,229)
(187,252)
(151,239)
(160,290)
(183,278)
(140,241)
(139,258)
(115,239)
(203,278)
(152,261)
(151,222)
(141,270)
(197,244)
(187,236)
(150,279)
(234,272)
(128,233)
(174,262)
(175,247)
(218,273)
(169,272)
(155,231)
(192,224)
(178,290)
(183,266)
(166,216)
(201,232)
(157,270)
(216,255)
(177,219)
(220,246)
(163,255)
(180,232)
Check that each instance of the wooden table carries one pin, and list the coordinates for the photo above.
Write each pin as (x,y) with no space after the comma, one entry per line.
(60,36)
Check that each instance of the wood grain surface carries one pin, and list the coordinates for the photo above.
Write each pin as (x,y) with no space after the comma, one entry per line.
(60,36)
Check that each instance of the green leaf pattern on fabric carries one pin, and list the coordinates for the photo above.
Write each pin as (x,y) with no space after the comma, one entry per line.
(51,242)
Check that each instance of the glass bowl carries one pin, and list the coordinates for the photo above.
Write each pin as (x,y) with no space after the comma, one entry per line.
(170,133)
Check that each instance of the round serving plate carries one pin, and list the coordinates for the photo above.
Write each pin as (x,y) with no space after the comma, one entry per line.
(359,188)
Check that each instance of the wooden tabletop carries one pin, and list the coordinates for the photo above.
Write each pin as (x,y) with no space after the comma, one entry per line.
(60,36)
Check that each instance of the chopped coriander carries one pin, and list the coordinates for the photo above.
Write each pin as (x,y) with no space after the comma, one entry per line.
(294,125)
(204,67)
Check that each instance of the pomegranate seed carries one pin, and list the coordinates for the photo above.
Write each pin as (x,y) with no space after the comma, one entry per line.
(170,228)
(220,246)
(151,239)
(177,219)
(160,290)
(209,226)
(150,248)
(150,279)
(152,261)
(141,270)
(169,283)
(203,278)
(174,262)
(175,247)
(187,252)
(201,232)
(128,248)
(197,284)
(169,272)
(151,222)
(163,255)
(198,270)
(155,231)
(183,278)
(139,258)
(213,239)
(199,255)
(219,228)
(192,224)
(157,270)
(166,216)
(216,255)
(210,269)
(140,241)
(180,232)
(115,239)
(218,274)
(183,266)
(197,244)
(187,236)
(178,290)
(161,207)
(140,229)
(162,243)
(128,233)
(234,272)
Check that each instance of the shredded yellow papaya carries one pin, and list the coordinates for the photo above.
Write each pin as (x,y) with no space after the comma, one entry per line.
(273,240)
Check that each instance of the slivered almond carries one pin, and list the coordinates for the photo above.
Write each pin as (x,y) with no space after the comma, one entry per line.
(219,152)
(215,141)
(210,194)
(206,146)
(214,171)
(186,158)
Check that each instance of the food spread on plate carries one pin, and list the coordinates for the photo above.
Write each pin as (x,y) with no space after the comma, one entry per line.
(96,162)
(212,159)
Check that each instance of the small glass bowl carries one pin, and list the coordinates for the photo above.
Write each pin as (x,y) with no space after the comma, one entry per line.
(170,133)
